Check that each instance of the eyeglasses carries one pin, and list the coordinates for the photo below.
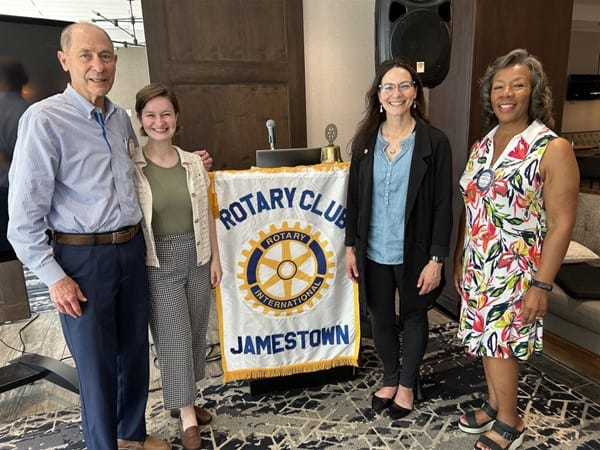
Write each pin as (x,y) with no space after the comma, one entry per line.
(388,88)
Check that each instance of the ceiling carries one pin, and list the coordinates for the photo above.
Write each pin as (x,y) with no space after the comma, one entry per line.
(129,21)
(586,15)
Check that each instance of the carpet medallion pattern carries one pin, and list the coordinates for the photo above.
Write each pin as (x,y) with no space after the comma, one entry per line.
(338,415)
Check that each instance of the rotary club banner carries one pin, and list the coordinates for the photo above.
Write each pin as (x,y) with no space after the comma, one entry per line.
(285,304)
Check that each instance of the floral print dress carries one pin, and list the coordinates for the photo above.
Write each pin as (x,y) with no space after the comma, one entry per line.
(505,229)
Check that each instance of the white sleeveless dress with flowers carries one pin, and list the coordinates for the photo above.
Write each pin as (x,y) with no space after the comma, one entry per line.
(505,229)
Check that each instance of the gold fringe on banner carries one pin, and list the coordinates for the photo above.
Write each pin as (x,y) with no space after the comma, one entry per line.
(269,372)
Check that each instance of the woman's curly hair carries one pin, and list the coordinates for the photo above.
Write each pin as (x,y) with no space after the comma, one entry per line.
(540,104)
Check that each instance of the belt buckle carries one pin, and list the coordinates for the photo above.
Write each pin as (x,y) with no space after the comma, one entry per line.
(115,237)
(126,234)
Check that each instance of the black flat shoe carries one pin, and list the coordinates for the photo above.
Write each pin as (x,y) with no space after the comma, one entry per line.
(378,404)
(396,411)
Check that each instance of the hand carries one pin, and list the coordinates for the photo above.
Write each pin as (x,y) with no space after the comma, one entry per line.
(534,304)
(66,295)
(430,277)
(216,274)
(351,267)
(207,160)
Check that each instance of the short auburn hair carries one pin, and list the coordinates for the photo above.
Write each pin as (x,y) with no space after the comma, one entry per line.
(150,92)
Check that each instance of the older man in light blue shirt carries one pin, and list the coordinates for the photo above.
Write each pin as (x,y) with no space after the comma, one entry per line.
(72,174)
(69,178)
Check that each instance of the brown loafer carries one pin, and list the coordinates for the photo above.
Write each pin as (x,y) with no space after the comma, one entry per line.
(151,443)
(202,415)
(190,438)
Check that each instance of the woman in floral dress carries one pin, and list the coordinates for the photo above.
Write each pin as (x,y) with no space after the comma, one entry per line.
(520,189)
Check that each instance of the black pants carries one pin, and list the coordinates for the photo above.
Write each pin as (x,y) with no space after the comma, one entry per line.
(382,282)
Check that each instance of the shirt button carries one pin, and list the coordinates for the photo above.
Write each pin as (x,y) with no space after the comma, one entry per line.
(193,194)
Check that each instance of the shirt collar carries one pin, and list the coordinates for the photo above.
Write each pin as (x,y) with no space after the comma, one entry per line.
(84,106)
(528,134)
(381,143)
(532,131)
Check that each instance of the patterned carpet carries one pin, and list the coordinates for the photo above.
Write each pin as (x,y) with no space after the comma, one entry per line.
(37,292)
(338,415)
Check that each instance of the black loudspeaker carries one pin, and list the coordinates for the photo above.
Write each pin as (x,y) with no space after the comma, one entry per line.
(419,30)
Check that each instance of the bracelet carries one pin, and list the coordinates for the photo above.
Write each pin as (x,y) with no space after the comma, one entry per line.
(437,259)
(541,285)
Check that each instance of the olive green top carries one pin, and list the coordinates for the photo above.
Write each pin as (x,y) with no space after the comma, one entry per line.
(171,204)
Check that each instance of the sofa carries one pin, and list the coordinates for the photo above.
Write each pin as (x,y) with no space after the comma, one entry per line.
(574,303)
(587,152)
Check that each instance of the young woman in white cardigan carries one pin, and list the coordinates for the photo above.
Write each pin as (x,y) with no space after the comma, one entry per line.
(182,256)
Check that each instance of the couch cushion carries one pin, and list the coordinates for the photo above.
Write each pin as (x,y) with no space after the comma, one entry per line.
(587,220)
(581,280)
(579,253)
(582,313)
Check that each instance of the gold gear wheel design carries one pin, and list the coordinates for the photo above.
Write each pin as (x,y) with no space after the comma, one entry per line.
(286,269)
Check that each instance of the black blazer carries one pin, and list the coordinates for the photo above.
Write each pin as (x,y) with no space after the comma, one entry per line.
(428,222)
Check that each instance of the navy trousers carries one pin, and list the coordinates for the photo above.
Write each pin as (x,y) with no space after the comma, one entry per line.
(109,342)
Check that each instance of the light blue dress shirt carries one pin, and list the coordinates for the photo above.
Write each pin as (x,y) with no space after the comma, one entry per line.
(71,172)
(385,243)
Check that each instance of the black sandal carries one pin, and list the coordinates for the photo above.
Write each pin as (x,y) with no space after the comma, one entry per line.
(507,432)
(471,426)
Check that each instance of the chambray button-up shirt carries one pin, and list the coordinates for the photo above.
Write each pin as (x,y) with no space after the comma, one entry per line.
(71,172)
(390,186)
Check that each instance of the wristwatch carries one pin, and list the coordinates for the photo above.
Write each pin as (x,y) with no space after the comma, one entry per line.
(541,285)
(437,259)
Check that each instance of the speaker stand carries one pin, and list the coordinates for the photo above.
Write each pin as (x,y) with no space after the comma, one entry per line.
(32,367)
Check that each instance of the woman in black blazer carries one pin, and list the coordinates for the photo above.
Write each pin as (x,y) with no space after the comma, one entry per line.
(399,220)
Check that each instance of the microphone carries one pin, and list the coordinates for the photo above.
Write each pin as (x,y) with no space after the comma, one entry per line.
(271,132)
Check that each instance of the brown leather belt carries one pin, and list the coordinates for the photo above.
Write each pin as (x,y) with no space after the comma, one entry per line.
(116,237)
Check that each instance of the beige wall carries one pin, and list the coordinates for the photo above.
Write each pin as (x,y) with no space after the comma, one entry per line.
(132,75)
(584,58)
(339,52)
(583,115)
(584,52)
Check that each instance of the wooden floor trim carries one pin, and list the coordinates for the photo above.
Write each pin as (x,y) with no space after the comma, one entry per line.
(571,355)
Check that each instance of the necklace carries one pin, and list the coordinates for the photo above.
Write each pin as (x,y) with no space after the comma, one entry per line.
(401,136)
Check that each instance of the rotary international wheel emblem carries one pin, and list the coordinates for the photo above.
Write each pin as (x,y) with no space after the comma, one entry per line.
(286,269)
